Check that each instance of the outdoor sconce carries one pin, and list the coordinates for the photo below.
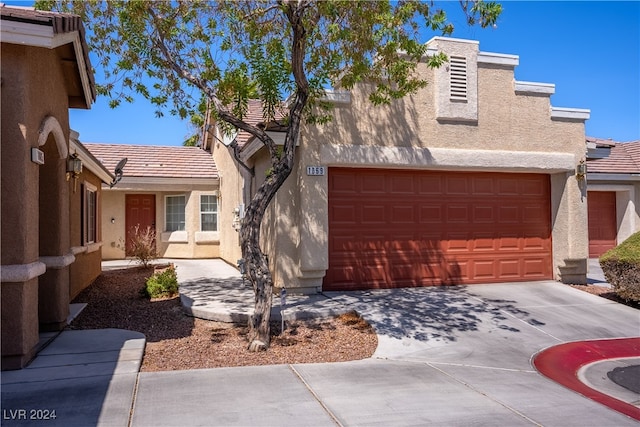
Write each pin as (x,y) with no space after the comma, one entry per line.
(74,169)
(74,165)
(581,170)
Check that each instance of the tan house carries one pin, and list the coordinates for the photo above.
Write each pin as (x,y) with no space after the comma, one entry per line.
(471,180)
(51,185)
(614,193)
(173,190)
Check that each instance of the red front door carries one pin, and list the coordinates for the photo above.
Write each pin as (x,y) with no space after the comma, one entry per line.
(140,211)
(603,227)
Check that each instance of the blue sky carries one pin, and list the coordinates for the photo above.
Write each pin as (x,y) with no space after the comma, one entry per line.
(589,50)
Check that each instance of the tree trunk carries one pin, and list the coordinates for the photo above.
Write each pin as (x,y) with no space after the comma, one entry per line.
(255,260)
(256,263)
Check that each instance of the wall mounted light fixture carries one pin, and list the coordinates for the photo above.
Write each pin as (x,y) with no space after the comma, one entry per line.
(74,169)
(581,170)
(74,165)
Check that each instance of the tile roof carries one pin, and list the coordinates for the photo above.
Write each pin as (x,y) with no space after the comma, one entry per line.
(624,158)
(149,161)
(601,142)
(255,117)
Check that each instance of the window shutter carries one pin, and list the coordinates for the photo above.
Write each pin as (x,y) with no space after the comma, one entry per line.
(458,78)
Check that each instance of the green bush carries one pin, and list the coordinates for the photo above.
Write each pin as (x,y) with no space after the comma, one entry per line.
(162,284)
(621,267)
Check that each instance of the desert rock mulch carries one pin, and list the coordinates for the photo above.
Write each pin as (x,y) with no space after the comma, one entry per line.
(177,341)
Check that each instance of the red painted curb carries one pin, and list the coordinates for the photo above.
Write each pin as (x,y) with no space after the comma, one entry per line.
(561,363)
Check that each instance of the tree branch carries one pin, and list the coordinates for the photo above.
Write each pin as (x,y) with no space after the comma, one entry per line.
(159,41)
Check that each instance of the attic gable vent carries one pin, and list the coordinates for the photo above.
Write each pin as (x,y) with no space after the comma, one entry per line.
(458,78)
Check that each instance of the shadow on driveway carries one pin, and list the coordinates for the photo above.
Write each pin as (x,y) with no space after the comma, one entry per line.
(438,313)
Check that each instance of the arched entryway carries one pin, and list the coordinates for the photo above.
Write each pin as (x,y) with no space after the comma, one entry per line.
(53,227)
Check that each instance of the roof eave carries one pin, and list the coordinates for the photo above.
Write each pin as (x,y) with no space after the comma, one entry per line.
(89,161)
(39,35)
(600,176)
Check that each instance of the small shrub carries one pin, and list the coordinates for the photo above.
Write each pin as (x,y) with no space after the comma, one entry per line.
(621,267)
(162,284)
(142,245)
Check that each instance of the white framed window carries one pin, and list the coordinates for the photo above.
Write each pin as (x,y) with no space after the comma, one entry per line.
(174,213)
(89,213)
(208,212)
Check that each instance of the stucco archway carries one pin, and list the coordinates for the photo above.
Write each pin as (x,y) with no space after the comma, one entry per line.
(50,125)
(53,226)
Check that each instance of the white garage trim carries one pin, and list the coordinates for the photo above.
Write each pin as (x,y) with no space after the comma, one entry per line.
(446,159)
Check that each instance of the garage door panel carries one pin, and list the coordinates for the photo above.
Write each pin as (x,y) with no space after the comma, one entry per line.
(534,268)
(457,242)
(458,213)
(373,214)
(457,185)
(509,268)
(431,213)
(483,242)
(531,187)
(508,215)
(343,183)
(508,187)
(507,243)
(373,183)
(403,214)
(484,214)
(533,214)
(535,243)
(343,214)
(402,185)
(483,270)
(430,184)
(431,228)
(483,186)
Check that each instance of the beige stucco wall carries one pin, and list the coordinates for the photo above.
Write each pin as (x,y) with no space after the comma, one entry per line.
(514,132)
(191,243)
(232,187)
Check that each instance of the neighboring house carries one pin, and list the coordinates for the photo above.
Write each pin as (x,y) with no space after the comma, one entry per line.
(614,193)
(173,190)
(50,204)
(470,180)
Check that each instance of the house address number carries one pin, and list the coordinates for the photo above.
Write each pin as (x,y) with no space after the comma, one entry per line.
(316,170)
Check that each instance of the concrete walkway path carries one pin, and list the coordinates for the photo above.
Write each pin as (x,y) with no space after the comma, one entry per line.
(446,357)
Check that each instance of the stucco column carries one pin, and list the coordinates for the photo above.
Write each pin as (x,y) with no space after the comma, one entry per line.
(19,323)
(53,288)
(313,252)
(54,231)
(570,228)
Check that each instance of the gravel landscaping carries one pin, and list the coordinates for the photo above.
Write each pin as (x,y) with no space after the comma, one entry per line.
(176,341)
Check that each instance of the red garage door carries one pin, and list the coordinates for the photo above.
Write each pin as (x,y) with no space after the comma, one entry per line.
(603,229)
(391,228)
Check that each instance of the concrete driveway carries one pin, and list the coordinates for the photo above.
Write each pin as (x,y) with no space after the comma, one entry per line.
(455,356)
(447,356)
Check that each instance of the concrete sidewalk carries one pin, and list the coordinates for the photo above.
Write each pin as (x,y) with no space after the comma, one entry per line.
(446,356)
